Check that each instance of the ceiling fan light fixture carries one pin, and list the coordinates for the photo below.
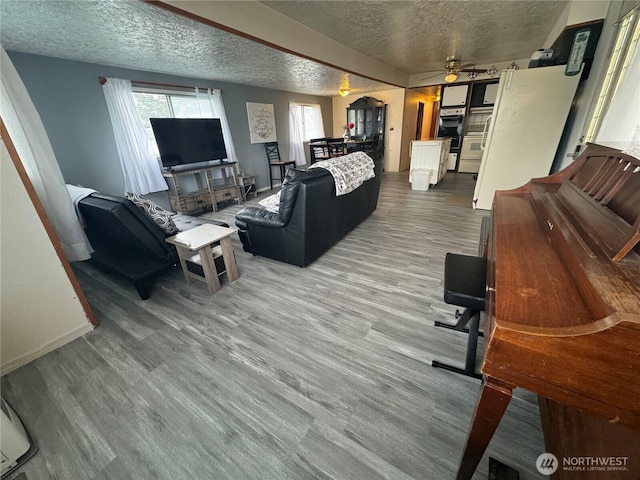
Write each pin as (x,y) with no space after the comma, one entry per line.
(451,77)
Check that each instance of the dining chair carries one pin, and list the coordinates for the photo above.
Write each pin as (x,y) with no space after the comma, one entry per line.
(378,141)
(273,157)
(357,143)
(318,149)
(337,147)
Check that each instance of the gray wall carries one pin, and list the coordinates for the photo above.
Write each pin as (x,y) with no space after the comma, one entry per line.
(70,102)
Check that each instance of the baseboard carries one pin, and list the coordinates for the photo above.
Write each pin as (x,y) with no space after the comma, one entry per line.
(44,349)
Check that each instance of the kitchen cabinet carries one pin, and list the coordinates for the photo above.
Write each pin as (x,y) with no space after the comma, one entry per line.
(368,117)
(430,155)
(454,95)
(484,94)
(452,159)
(490,94)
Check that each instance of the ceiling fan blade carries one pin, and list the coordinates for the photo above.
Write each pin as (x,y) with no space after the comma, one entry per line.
(432,76)
(467,65)
(479,70)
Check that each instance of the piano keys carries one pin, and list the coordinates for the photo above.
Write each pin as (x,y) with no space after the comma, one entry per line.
(563,301)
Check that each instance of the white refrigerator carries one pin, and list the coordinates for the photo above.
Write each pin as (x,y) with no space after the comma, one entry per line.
(524,130)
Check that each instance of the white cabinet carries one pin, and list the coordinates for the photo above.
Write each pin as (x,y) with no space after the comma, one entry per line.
(430,155)
(454,96)
(452,159)
(490,94)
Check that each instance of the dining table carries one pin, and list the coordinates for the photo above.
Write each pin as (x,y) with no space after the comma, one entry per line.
(351,145)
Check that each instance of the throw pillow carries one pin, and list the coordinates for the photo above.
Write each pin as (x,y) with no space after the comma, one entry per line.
(155,212)
(271,203)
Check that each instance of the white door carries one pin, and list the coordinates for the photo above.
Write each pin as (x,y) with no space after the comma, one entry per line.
(528,118)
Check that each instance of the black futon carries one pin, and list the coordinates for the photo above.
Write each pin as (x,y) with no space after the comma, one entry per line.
(126,241)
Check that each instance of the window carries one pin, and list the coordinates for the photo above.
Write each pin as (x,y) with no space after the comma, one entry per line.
(155,104)
(310,128)
(189,103)
(624,46)
(305,123)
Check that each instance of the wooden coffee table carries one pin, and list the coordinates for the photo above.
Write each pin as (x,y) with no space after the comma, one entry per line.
(199,246)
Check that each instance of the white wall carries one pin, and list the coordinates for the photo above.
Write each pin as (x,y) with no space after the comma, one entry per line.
(392,136)
(577,12)
(39,309)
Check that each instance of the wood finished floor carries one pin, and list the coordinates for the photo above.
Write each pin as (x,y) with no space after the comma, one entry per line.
(289,373)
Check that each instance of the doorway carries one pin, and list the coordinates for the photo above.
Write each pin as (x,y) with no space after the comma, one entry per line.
(419,121)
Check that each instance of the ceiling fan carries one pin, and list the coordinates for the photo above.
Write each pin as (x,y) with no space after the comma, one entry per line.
(453,67)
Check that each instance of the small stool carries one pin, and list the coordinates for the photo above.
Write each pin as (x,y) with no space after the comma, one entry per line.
(465,283)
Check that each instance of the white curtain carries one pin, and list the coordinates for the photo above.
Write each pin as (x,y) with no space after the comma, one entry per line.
(32,143)
(214,97)
(313,126)
(313,123)
(296,137)
(305,123)
(140,167)
(621,125)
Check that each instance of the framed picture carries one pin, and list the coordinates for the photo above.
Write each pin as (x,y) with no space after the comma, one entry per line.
(578,49)
(262,123)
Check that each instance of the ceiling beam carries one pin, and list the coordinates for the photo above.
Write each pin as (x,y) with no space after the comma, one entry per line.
(257,22)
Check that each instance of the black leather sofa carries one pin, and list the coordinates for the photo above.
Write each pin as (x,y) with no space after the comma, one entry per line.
(126,241)
(311,218)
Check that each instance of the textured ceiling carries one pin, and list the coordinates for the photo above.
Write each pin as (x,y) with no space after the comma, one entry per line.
(410,36)
(137,35)
(418,36)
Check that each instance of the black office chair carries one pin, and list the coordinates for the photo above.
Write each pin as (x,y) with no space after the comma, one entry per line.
(273,157)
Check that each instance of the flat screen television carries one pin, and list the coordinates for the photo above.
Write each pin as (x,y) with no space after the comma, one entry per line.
(187,141)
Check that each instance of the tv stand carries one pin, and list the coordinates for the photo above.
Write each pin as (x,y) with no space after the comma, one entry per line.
(215,184)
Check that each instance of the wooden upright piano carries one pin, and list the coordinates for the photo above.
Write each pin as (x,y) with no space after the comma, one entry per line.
(563,312)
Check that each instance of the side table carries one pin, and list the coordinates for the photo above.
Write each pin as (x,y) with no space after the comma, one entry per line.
(197,246)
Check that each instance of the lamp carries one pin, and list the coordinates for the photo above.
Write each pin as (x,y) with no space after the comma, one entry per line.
(451,77)
(344,89)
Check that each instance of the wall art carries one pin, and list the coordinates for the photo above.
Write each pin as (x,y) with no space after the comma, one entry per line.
(262,122)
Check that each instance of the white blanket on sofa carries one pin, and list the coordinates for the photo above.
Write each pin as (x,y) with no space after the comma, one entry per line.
(77,194)
(349,171)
